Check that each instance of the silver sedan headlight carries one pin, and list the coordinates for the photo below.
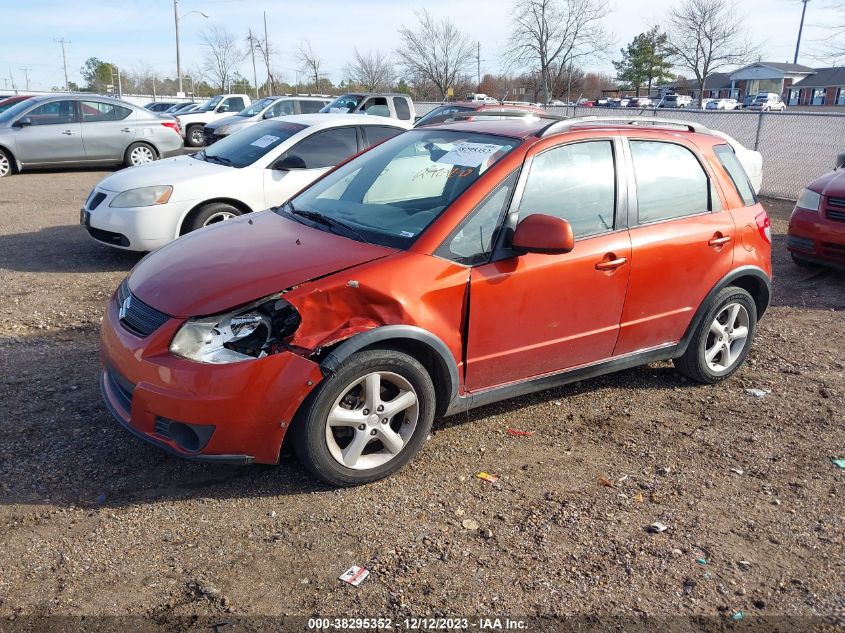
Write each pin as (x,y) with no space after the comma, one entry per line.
(143,197)
(250,332)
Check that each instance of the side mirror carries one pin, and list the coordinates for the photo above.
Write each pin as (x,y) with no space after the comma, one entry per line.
(840,161)
(222,108)
(545,234)
(24,121)
(268,115)
(289,163)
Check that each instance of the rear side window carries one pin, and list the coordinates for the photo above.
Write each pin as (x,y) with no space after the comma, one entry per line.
(310,107)
(670,181)
(574,182)
(375,134)
(327,148)
(93,111)
(403,112)
(731,163)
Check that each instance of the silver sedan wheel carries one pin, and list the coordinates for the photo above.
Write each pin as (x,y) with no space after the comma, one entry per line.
(727,337)
(5,165)
(141,155)
(372,420)
(220,216)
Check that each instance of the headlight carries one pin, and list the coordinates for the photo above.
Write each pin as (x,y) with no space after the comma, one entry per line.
(809,200)
(143,197)
(223,130)
(253,331)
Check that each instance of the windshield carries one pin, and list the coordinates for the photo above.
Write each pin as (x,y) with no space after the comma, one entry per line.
(256,107)
(344,104)
(210,104)
(441,114)
(15,110)
(246,147)
(392,193)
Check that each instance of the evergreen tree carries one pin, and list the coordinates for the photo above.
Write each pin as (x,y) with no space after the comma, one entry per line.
(644,60)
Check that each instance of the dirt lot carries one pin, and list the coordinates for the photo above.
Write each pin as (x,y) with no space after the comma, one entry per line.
(93,521)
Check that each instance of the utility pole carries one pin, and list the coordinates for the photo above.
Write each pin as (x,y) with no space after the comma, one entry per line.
(178,59)
(478,64)
(254,73)
(800,29)
(63,41)
(12,77)
(267,56)
(26,74)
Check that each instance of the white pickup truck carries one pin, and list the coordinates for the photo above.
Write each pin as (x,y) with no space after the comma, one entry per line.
(215,108)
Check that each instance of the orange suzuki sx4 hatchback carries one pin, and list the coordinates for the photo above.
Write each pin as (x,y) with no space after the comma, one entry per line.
(451,266)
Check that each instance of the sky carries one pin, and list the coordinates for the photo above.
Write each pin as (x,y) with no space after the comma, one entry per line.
(135,34)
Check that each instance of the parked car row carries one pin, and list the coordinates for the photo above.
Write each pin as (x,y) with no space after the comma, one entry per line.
(388,291)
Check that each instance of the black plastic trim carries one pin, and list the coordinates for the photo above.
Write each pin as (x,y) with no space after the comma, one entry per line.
(384,333)
(216,459)
(727,280)
(514,390)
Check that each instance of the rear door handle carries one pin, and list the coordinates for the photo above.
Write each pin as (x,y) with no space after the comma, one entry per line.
(68,132)
(611,264)
(719,241)
(126,129)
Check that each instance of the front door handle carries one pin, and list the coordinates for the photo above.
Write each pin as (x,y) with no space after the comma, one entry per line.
(68,132)
(719,241)
(611,262)
(126,129)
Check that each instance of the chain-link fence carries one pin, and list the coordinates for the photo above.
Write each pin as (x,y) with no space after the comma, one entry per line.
(797,147)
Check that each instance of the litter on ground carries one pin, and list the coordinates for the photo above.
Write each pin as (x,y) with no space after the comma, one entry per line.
(354,575)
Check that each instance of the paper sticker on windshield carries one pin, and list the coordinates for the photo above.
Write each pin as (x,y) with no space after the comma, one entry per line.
(265,141)
(469,154)
(406,234)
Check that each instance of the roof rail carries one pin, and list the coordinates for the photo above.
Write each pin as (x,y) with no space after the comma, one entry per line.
(566,124)
(506,111)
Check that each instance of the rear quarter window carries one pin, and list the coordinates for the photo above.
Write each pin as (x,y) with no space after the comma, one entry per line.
(737,174)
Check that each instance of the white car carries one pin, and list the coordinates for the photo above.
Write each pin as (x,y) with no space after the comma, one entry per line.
(766,101)
(751,160)
(145,207)
(723,104)
(267,108)
(218,107)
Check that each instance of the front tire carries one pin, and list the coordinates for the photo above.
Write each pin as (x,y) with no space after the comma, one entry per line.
(6,168)
(209,214)
(367,420)
(139,154)
(194,136)
(722,340)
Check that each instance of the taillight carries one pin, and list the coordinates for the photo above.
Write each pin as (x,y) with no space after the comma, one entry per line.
(764,225)
(173,125)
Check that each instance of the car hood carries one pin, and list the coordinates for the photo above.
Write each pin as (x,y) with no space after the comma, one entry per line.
(830,184)
(232,263)
(170,171)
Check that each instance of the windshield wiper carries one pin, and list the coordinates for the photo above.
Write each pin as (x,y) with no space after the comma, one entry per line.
(200,155)
(221,159)
(316,216)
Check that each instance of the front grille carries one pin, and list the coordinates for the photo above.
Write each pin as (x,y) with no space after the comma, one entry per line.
(836,202)
(830,249)
(837,215)
(96,200)
(801,243)
(121,388)
(135,315)
(163,427)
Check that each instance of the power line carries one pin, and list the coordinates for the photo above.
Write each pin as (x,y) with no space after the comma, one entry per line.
(63,41)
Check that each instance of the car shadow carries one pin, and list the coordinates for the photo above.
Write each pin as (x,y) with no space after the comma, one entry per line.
(65,248)
(804,287)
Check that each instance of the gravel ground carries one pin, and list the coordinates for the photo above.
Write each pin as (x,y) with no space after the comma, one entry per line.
(95,522)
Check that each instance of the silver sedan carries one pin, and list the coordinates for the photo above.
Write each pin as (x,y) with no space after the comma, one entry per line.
(63,130)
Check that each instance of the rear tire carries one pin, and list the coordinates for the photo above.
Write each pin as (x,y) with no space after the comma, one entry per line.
(6,164)
(139,154)
(722,340)
(209,214)
(367,420)
(194,136)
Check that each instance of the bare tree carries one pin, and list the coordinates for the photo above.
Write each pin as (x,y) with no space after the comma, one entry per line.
(309,61)
(550,35)
(705,36)
(224,55)
(437,51)
(373,70)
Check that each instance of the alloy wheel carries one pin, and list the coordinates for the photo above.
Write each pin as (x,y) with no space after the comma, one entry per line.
(141,155)
(727,337)
(5,165)
(220,216)
(372,420)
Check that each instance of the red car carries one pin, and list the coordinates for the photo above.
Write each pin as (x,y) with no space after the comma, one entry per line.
(817,226)
(449,267)
(448,110)
(8,102)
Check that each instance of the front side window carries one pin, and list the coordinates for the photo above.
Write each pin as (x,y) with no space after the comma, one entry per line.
(283,108)
(246,147)
(95,111)
(392,193)
(54,113)
(326,148)
(733,167)
(670,181)
(576,183)
(403,112)
(377,106)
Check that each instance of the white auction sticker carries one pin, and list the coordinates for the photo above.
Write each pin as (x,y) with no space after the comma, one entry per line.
(469,154)
(354,575)
(265,141)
